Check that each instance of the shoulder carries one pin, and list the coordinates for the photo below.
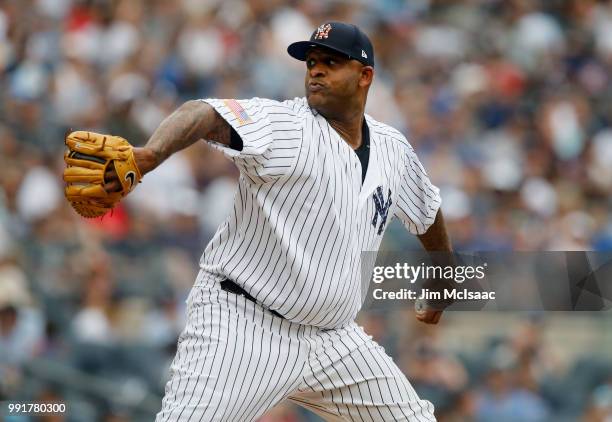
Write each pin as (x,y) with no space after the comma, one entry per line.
(294,106)
(388,135)
(295,110)
(267,106)
(299,106)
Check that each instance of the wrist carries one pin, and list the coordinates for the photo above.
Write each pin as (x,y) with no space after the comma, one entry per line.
(147,159)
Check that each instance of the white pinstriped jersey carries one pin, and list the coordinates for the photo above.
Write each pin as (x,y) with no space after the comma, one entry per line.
(302,215)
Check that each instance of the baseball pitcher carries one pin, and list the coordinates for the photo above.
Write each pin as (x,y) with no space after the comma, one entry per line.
(271,313)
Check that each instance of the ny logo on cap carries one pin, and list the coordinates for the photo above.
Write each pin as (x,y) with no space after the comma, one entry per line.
(323,31)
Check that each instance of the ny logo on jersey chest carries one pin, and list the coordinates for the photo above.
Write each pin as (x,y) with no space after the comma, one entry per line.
(382,208)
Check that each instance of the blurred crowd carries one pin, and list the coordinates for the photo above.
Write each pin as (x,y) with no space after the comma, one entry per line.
(507,102)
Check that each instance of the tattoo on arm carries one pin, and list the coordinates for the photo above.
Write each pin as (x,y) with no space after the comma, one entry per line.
(192,121)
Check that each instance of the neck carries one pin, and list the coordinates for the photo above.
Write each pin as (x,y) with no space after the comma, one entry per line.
(349,128)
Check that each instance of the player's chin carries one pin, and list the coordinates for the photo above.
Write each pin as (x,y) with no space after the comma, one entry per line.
(317,101)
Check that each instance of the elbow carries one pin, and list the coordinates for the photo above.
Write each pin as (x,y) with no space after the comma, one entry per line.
(200,121)
(194,107)
(198,116)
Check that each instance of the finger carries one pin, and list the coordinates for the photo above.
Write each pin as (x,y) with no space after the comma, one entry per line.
(110,174)
(112,180)
(112,186)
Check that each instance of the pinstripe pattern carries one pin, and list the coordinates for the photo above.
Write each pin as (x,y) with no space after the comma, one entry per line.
(225,356)
(302,215)
(236,360)
(301,218)
(351,377)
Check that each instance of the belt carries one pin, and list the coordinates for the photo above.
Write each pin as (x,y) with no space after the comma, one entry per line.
(230,286)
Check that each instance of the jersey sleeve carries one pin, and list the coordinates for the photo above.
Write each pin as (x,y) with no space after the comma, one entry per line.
(418,199)
(271,136)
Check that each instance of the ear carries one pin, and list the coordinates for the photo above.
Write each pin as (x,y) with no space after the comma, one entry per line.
(366,77)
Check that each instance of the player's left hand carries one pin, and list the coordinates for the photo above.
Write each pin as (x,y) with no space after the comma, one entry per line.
(89,156)
(145,160)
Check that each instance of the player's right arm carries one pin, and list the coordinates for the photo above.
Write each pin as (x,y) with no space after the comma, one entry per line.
(418,207)
(192,121)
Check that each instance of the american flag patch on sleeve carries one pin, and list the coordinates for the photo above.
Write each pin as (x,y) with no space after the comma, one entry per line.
(238,111)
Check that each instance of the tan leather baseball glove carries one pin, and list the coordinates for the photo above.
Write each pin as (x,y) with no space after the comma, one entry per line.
(88,157)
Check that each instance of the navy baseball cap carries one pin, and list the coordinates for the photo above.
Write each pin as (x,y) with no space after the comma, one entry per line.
(338,36)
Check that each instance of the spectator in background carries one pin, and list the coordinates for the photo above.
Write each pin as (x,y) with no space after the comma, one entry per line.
(92,324)
(502,399)
(462,408)
(535,364)
(599,408)
(21,326)
(434,373)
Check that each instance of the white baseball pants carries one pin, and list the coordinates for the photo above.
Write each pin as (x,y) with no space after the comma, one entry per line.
(235,360)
